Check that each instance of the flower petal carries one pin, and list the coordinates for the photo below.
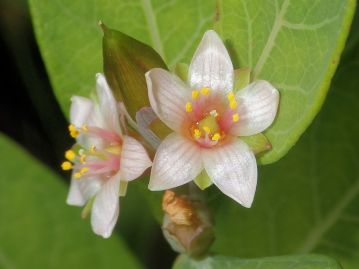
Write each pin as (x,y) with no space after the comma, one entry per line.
(108,104)
(80,110)
(144,117)
(81,190)
(211,65)
(75,196)
(167,95)
(233,169)
(257,108)
(134,159)
(177,161)
(105,209)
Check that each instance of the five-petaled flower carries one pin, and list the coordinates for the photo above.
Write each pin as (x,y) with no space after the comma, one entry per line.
(102,158)
(207,118)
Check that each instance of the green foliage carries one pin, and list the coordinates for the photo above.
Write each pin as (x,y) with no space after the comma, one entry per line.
(306,202)
(293,44)
(309,200)
(70,38)
(283,262)
(37,228)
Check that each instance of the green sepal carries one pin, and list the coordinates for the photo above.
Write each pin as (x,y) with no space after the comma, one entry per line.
(242,78)
(88,207)
(181,70)
(126,61)
(258,143)
(202,180)
(123,188)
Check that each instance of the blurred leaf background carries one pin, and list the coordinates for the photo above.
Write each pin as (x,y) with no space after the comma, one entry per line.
(306,202)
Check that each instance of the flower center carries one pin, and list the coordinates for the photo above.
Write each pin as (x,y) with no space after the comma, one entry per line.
(93,161)
(210,116)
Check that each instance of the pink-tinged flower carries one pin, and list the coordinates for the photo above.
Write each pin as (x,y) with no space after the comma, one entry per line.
(207,118)
(102,158)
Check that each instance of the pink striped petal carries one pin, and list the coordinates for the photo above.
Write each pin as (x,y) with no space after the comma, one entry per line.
(167,95)
(107,104)
(233,169)
(105,209)
(177,161)
(81,190)
(134,159)
(257,108)
(80,110)
(75,196)
(211,65)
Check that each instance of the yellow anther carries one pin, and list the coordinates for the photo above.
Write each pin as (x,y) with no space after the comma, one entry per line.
(70,154)
(66,166)
(93,149)
(83,158)
(195,95)
(205,91)
(84,128)
(233,104)
(77,175)
(73,131)
(216,137)
(230,96)
(84,170)
(206,129)
(235,117)
(72,128)
(197,133)
(188,107)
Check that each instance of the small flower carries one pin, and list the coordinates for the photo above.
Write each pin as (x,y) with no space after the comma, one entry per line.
(207,118)
(102,158)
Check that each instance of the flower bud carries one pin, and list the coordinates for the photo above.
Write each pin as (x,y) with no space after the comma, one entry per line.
(187,225)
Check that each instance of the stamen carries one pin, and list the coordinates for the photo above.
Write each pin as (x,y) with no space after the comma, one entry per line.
(195,95)
(188,107)
(230,96)
(205,91)
(206,129)
(77,175)
(233,104)
(114,149)
(216,137)
(93,149)
(84,170)
(83,158)
(235,117)
(197,133)
(66,166)
(84,128)
(73,131)
(70,155)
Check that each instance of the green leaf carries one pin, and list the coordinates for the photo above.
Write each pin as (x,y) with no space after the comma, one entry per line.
(309,200)
(70,38)
(296,46)
(284,262)
(38,229)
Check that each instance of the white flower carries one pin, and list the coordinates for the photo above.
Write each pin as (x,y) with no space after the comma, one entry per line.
(102,158)
(207,117)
